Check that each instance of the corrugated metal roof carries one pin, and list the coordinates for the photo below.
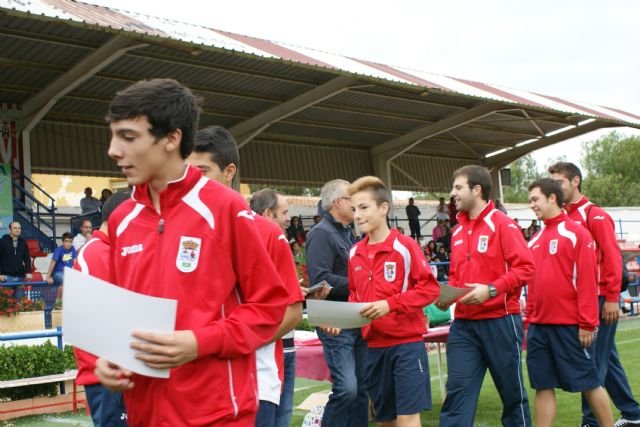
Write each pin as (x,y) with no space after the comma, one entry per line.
(147,25)
(240,77)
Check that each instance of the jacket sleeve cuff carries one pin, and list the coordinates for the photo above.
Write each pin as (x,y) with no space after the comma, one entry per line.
(393,304)
(612,297)
(586,327)
(500,285)
(207,344)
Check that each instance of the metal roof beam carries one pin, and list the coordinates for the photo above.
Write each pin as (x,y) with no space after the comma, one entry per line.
(503,159)
(398,146)
(249,129)
(38,105)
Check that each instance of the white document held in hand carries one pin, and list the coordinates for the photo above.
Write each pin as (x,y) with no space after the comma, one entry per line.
(337,314)
(99,317)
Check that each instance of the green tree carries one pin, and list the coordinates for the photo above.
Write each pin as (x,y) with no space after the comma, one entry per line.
(523,172)
(612,170)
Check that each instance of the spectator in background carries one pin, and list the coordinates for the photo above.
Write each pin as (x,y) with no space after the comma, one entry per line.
(439,230)
(63,256)
(413,215)
(106,193)
(15,262)
(430,250)
(500,206)
(445,239)
(89,203)
(295,231)
(316,220)
(442,211)
(296,251)
(85,234)
(453,212)
(443,270)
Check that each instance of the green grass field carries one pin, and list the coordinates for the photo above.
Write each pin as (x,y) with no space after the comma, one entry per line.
(489,408)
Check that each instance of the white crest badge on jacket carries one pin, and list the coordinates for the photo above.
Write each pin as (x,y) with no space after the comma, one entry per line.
(553,246)
(188,253)
(483,244)
(390,271)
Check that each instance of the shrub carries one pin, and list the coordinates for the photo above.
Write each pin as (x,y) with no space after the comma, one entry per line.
(27,361)
(305,326)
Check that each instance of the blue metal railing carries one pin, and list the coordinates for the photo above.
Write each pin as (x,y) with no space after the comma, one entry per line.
(44,291)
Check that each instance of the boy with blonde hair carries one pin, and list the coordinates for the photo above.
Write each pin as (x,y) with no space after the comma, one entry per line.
(389,271)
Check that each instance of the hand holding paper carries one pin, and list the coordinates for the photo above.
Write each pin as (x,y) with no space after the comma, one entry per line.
(100,318)
(343,315)
(449,294)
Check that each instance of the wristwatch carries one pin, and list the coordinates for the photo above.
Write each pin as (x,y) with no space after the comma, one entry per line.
(492,291)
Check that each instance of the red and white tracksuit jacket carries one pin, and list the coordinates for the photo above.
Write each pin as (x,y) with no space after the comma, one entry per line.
(270,358)
(563,290)
(93,259)
(489,250)
(203,250)
(609,258)
(396,271)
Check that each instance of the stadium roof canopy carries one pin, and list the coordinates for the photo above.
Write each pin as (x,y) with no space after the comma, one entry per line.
(300,116)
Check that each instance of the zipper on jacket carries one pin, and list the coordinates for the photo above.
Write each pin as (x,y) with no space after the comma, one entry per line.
(161,226)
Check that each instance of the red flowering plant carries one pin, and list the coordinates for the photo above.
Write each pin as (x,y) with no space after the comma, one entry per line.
(9,305)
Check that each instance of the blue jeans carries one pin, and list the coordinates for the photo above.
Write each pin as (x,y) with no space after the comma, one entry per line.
(473,347)
(266,414)
(348,404)
(283,411)
(611,374)
(107,408)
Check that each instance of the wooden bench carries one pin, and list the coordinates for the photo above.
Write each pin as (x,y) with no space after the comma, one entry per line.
(45,379)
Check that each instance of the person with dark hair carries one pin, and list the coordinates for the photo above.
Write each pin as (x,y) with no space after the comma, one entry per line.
(89,203)
(63,256)
(214,144)
(430,250)
(442,210)
(104,196)
(453,212)
(185,237)
(295,231)
(490,258)
(562,309)
(106,407)
(15,262)
(388,272)
(413,215)
(601,226)
(216,155)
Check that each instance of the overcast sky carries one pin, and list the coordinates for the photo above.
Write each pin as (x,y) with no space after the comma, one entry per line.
(581,50)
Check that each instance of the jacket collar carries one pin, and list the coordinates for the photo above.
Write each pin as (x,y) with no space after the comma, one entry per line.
(556,219)
(97,234)
(576,205)
(463,217)
(340,226)
(172,194)
(385,246)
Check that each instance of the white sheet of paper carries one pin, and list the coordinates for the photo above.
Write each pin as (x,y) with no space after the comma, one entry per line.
(338,314)
(450,293)
(99,317)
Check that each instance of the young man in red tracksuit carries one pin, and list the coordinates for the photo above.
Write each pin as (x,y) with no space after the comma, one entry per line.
(185,237)
(107,408)
(272,209)
(609,277)
(216,154)
(389,270)
(489,256)
(562,309)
